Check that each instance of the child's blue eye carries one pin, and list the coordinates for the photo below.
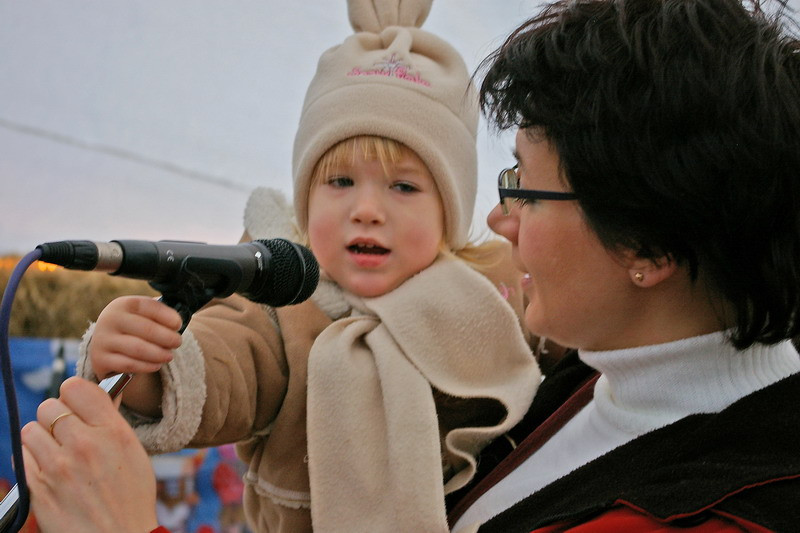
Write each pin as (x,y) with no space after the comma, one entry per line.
(404,187)
(340,181)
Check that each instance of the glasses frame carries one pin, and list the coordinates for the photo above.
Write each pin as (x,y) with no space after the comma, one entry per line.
(524,194)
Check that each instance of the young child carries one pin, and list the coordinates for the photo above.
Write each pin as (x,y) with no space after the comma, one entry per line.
(361,407)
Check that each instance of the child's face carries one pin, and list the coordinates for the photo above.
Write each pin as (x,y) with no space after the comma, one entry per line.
(371,229)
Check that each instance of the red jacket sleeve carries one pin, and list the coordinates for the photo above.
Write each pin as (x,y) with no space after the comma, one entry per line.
(626,519)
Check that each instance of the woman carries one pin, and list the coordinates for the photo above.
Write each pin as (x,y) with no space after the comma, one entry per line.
(666,248)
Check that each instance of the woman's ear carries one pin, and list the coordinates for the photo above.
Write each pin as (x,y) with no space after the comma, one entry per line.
(650,272)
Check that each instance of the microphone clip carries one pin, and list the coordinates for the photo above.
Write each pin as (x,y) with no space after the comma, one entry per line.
(192,287)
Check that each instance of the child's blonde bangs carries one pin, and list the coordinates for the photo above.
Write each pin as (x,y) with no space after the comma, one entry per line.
(369,147)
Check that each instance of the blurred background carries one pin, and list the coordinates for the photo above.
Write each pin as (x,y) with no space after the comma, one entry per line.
(154,120)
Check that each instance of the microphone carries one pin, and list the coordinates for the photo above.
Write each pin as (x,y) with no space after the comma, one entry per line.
(275,272)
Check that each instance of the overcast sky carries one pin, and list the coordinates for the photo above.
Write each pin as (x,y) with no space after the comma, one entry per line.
(153,120)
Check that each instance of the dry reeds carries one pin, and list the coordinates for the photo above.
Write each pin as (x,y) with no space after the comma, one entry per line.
(53,302)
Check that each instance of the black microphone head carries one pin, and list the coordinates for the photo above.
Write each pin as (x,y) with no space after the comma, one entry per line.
(293,274)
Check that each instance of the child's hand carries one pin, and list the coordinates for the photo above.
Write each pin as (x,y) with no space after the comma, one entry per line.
(134,334)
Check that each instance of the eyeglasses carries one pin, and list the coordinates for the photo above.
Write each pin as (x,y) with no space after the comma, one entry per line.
(508,187)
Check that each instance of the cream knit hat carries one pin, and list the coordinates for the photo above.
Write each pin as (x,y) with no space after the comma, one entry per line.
(394,80)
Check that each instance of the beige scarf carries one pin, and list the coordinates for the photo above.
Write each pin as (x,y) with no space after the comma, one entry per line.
(375,460)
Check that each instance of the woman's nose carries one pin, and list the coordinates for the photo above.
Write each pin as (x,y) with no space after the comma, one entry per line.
(504,225)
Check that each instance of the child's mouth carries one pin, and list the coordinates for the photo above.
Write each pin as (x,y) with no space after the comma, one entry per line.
(370,249)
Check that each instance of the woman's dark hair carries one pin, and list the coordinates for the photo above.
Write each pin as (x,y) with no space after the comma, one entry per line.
(678,124)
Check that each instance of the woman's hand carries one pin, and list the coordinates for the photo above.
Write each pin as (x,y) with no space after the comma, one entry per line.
(86,470)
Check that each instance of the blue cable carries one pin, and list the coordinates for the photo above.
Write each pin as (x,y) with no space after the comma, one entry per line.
(23,503)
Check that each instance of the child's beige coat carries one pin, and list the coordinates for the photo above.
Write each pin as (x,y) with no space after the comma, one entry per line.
(242,375)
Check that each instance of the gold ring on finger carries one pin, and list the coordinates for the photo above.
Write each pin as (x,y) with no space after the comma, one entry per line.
(56,419)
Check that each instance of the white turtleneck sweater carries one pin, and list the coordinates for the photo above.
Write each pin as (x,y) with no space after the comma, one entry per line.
(640,389)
